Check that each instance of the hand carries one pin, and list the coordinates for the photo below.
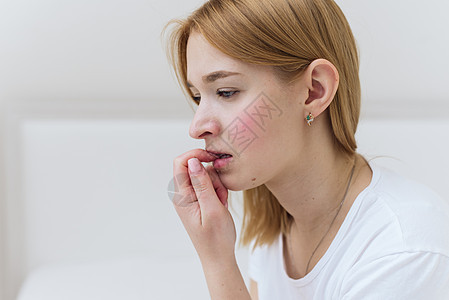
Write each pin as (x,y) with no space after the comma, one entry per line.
(201,201)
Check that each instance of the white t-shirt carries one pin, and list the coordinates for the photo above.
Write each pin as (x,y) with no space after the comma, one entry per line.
(393,244)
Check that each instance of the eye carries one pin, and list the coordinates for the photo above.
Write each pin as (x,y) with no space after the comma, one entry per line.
(196,99)
(226,94)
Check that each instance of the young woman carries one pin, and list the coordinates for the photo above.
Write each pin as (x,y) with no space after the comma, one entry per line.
(277,91)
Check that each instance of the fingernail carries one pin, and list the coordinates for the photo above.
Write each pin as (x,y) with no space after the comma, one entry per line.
(194,165)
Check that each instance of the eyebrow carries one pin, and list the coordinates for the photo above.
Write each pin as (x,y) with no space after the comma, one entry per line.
(209,78)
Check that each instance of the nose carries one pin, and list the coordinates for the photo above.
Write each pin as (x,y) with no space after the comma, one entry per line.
(204,124)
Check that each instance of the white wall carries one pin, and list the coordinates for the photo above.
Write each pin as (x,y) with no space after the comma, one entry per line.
(108,50)
(404,62)
(102,59)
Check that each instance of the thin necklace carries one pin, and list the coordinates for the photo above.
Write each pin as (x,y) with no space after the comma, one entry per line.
(333,220)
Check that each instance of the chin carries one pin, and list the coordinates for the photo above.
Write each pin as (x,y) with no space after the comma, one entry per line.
(233,186)
(236,185)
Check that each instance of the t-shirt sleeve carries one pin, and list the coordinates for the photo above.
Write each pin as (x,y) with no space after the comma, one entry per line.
(255,263)
(402,276)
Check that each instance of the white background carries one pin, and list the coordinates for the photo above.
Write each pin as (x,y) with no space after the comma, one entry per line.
(111,50)
(92,75)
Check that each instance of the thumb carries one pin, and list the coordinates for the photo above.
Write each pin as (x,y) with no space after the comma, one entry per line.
(202,184)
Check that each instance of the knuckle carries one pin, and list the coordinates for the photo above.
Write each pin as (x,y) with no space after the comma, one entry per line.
(177,161)
(201,187)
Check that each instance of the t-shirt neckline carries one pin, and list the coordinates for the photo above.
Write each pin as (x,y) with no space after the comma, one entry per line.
(335,243)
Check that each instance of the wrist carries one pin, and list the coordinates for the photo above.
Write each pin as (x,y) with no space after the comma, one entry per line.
(219,263)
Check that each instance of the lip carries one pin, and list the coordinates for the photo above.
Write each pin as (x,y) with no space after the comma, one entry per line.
(220,163)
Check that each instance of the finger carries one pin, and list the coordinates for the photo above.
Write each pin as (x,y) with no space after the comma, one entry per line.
(202,184)
(220,189)
(184,192)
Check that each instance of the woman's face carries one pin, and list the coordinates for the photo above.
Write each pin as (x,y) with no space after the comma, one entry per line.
(245,111)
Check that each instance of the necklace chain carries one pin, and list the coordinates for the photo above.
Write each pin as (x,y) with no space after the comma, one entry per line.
(333,220)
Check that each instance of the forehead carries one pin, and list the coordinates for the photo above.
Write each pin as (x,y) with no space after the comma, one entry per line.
(203,58)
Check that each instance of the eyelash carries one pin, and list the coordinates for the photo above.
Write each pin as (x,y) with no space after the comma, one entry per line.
(220,93)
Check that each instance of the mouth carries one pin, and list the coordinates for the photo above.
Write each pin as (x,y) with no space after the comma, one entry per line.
(219,155)
(221,160)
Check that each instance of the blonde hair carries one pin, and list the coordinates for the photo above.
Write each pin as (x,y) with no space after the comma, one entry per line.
(287,35)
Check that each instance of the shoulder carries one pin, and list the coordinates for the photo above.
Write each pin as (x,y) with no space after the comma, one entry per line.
(396,215)
(407,275)
(422,216)
(400,244)
(405,191)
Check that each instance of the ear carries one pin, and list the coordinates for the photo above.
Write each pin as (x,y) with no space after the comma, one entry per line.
(322,81)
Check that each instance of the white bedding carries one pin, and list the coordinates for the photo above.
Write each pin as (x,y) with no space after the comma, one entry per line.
(122,279)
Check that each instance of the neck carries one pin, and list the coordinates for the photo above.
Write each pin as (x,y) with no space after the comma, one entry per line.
(311,191)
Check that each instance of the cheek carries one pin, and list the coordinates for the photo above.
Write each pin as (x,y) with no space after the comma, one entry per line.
(263,116)
(254,147)
(254,123)
(262,113)
(240,134)
(254,136)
